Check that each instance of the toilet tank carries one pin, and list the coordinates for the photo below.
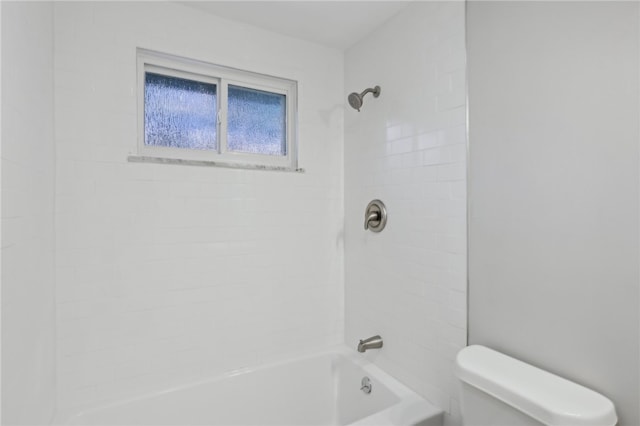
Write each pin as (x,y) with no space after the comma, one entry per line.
(497,390)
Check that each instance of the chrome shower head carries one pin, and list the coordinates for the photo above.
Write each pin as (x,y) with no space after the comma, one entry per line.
(355,99)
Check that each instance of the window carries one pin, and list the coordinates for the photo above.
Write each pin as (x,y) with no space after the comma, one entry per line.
(190,110)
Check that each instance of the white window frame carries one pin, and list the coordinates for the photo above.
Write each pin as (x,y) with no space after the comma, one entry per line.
(222,77)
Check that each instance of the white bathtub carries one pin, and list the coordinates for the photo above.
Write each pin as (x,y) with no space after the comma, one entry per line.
(323,389)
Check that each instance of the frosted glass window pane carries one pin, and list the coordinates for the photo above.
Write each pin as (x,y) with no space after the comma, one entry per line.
(179,113)
(256,121)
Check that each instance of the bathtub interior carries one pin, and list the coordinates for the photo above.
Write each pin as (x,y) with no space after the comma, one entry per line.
(316,390)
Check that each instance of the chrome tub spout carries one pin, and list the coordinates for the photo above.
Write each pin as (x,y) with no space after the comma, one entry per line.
(374,342)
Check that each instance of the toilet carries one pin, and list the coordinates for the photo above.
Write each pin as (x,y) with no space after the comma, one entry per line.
(497,390)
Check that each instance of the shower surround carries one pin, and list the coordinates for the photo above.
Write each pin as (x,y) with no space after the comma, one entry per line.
(169,273)
(408,148)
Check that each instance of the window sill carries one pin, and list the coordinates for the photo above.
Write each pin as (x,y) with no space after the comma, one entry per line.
(202,163)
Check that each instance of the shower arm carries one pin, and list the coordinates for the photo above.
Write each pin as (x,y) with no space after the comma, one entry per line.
(375,91)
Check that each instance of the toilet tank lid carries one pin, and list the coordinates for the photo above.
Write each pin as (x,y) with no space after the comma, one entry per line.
(546,397)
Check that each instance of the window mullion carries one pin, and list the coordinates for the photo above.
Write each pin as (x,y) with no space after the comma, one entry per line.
(222,117)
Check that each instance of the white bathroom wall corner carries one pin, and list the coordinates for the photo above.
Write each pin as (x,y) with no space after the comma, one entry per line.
(408,148)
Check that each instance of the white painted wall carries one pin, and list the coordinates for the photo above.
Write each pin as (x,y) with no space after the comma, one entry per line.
(408,148)
(553,97)
(28,171)
(167,273)
(0,217)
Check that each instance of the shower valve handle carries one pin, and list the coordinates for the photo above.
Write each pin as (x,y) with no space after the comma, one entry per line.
(373,217)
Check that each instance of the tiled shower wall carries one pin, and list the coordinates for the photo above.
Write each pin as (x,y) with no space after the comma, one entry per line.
(408,149)
(28,171)
(164,272)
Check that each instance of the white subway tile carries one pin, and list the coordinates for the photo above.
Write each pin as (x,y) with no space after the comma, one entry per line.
(408,283)
(153,260)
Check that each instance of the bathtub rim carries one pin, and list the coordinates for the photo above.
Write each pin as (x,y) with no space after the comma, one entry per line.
(406,397)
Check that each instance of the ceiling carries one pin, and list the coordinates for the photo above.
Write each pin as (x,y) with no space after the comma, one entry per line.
(337,24)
